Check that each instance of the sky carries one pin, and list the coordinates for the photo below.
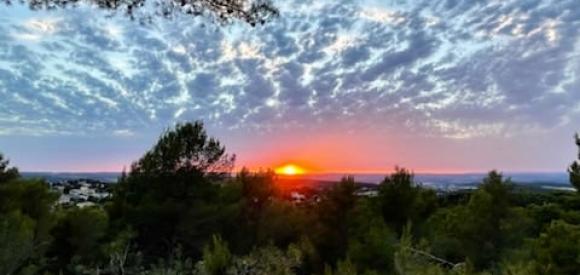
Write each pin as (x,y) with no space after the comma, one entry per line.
(448,86)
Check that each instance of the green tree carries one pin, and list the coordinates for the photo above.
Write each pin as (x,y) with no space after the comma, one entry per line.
(7,173)
(371,242)
(403,200)
(258,189)
(499,191)
(409,260)
(557,250)
(334,217)
(475,231)
(267,260)
(171,194)
(216,256)
(281,223)
(520,268)
(119,252)
(16,241)
(185,151)
(25,219)
(343,267)
(34,200)
(373,249)
(341,198)
(78,235)
(574,169)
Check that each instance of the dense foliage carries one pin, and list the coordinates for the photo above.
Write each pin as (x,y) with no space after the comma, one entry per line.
(177,211)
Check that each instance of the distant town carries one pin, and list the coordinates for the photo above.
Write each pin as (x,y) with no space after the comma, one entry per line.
(82,192)
(89,189)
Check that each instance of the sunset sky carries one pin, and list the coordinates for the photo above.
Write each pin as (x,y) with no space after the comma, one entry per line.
(333,86)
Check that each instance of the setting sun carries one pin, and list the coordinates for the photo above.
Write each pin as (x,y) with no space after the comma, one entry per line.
(289,170)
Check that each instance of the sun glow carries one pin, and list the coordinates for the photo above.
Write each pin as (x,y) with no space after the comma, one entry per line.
(289,170)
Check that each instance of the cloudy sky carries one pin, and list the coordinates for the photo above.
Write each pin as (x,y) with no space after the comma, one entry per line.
(436,86)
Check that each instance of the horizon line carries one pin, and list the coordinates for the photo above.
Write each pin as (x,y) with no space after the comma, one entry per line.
(344,173)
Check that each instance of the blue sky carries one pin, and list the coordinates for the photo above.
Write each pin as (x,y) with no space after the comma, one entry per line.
(342,85)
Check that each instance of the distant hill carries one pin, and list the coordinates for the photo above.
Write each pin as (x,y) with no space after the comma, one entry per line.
(317,181)
(109,177)
(460,181)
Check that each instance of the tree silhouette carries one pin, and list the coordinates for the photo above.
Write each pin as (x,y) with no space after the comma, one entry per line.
(257,189)
(185,150)
(335,212)
(170,188)
(574,169)
(253,12)
(403,200)
(7,173)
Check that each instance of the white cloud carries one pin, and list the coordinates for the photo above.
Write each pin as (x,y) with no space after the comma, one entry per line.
(382,15)
(334,64)
(123,133)
(42,25)
(342,42)
(36,29)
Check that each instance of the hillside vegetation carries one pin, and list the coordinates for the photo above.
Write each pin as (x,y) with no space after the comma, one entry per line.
(178,211)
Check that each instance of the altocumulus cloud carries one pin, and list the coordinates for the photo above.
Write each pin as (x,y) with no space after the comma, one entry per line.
(454,68)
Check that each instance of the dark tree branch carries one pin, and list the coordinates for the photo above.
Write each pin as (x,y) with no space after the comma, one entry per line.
(574,169)
(253,12)
(432,257)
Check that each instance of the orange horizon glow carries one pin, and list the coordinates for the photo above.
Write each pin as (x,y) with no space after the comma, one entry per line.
(298,170)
